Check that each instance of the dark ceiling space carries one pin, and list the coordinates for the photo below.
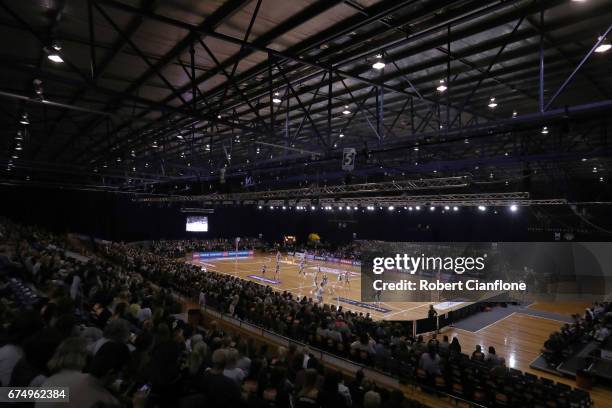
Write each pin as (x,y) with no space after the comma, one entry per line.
(210,99)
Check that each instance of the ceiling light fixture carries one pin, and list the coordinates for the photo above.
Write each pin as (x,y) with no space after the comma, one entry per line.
(276,100)
(24,119)
(379,64)
(492,103)
(544,130)
(53,52)
(442,87)
(346,110)
(604,45)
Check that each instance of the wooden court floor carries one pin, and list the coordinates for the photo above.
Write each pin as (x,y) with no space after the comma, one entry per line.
(518,338)
(300,285)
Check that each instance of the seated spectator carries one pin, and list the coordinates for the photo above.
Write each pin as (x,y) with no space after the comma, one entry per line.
(478,355)
(231,370)
(31,370)
(444,346)
(500,371)
(371,399)
(219,390)
(492,358)
(601,333)
(23,325)
(308,395)
(455,347)
(66,365)
(430,361)
(329,395)
(365,344)
(117,330)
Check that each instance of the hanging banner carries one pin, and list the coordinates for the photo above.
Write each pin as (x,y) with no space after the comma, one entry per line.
(348,159)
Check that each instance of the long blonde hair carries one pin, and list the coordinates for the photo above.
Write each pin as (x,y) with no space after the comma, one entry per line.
(71,354)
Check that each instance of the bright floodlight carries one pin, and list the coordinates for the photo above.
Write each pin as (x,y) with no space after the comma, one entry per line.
(455,208)
(418,208)
(409,208)
(492,103)
(441,87)
(446,207)
(24,119)
(391,208)
(482,208)
(276,100)
(604,46)
(55,57)
(432,208)
(514,208)
(378,65)
(544,130)
(313,207)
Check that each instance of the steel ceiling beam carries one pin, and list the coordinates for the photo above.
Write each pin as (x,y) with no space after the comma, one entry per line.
(98,68)
(226,10)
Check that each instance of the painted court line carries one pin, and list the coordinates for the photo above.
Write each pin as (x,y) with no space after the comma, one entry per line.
(495,322)
(406,310)
(541,317)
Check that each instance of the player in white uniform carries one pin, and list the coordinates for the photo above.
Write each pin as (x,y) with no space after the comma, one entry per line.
(347,281)
(277,271)
(319,293)
(377,296)
(302,271)
(316,276)
(263,270)
(278,256)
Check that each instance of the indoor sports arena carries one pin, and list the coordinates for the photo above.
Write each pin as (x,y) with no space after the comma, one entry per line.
(306,203)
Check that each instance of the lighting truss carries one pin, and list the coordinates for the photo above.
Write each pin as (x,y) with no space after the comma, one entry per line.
(323,191)
(463,200)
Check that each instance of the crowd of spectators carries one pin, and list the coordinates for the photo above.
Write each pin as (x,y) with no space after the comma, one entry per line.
(104,327)
(388,346)
(351,251)
(594,325)
(180,248)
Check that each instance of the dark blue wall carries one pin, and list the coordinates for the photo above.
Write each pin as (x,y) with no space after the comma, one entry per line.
(117,217)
